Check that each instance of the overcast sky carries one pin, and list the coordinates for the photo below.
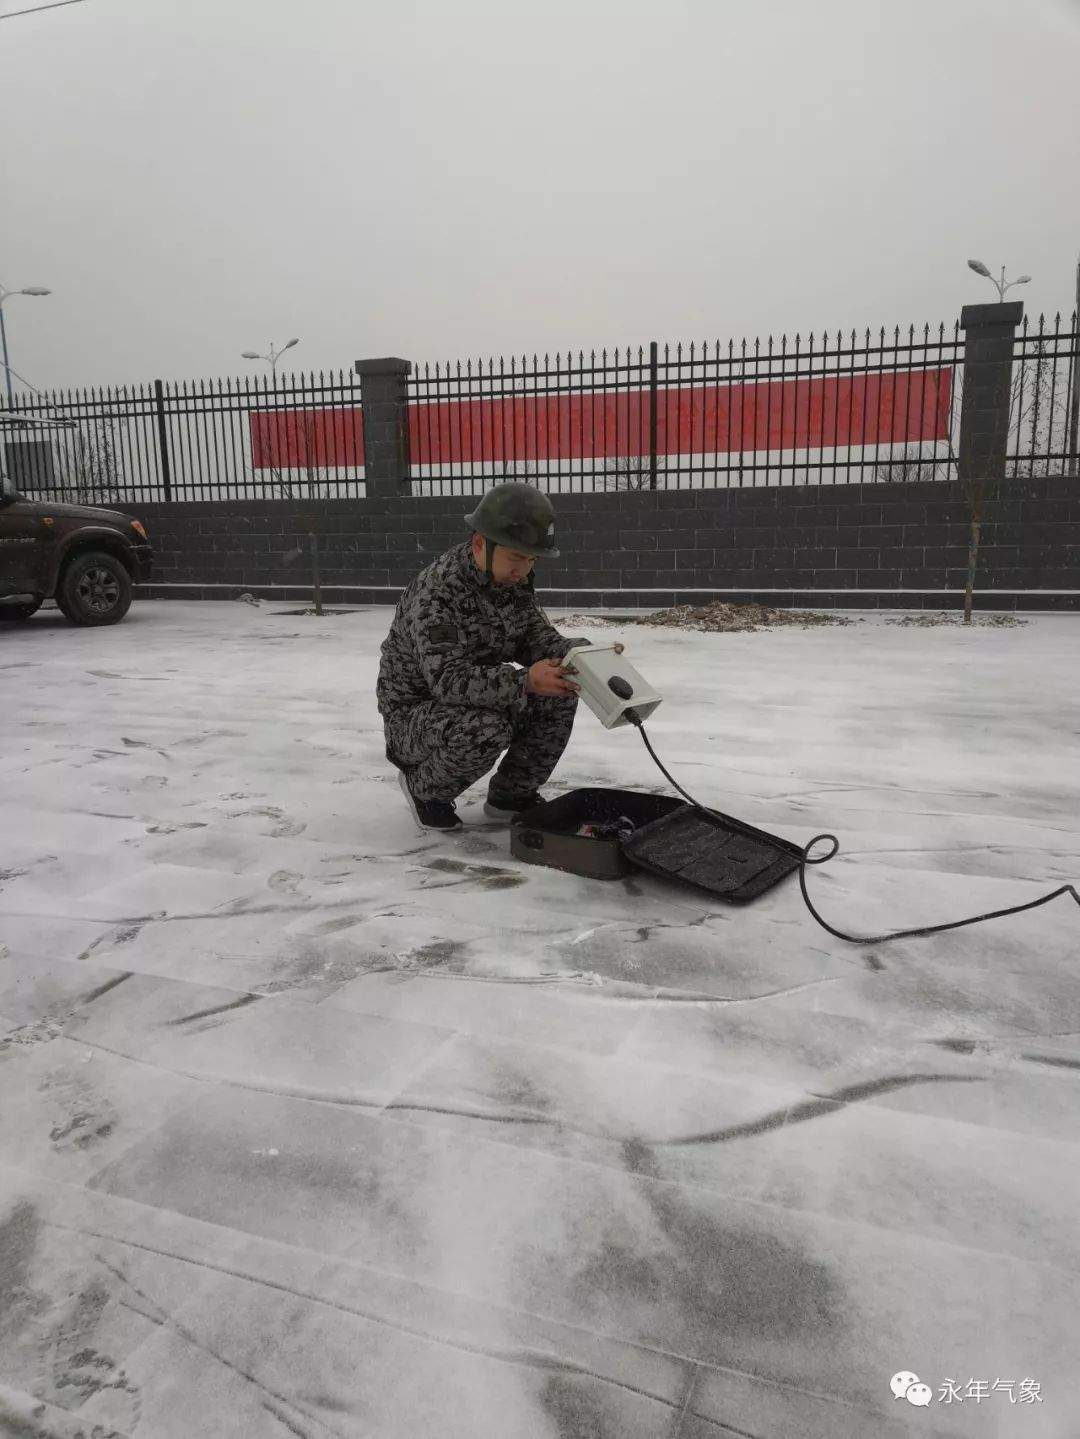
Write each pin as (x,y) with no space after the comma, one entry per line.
(442,178)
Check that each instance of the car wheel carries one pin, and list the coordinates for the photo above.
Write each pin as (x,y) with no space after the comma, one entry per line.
(21,611)
(95,589)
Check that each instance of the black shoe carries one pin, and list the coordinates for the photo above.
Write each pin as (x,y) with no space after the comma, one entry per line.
(430,813)
(508,807)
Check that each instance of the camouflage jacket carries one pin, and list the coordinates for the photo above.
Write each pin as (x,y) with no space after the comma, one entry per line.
(456,637)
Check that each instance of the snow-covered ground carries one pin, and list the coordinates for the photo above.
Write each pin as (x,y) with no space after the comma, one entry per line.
(314,1125)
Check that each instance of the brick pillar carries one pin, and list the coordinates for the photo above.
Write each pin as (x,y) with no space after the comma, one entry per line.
(984,412)
(386,425)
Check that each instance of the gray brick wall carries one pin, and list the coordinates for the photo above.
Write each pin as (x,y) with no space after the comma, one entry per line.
(386,427)
(990,332)
(828,545)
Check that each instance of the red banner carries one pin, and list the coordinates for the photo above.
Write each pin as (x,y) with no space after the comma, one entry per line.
(307,439)
(898,407)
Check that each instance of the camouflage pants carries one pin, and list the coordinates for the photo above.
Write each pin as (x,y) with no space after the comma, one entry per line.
(446,748)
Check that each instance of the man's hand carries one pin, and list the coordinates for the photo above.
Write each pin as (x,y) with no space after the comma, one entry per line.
(548,677)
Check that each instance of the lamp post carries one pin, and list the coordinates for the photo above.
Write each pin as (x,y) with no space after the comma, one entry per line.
(1074,417)
(999,285)
(5,294)
(272,358)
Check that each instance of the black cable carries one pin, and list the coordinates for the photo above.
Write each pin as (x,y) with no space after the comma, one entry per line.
(805,859)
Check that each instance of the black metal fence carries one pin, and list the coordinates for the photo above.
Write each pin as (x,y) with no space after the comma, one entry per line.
(204,440)
(1044,405)
(826,409)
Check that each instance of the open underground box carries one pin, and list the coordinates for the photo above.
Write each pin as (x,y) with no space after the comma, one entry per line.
(609,833)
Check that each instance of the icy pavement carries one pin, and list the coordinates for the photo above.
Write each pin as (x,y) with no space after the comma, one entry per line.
(313,1125)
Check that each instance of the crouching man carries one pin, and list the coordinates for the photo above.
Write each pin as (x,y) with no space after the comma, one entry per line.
(451,699)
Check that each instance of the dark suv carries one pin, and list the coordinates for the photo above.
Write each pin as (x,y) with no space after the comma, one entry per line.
(85,558)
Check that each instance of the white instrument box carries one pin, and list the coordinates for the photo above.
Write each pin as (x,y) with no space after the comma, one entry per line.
(610,685)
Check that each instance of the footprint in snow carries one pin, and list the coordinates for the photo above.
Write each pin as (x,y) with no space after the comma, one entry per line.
(283,826)
(284,881)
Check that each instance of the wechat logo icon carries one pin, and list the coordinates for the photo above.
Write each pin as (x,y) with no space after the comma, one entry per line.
(906,1385)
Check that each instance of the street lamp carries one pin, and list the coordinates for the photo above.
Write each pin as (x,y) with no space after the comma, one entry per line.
(5,293)
(999,285)
(272,358)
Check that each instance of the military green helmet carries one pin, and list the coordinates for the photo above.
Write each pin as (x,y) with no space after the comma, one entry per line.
(517,516)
